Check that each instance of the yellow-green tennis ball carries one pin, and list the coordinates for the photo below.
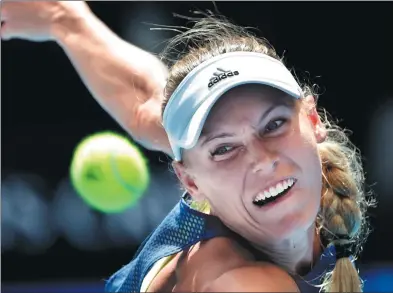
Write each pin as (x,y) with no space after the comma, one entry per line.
(109,172)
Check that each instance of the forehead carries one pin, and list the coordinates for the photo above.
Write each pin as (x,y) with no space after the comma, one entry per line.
(245,100)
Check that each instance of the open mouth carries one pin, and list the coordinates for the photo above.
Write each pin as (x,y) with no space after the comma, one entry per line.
(275,192)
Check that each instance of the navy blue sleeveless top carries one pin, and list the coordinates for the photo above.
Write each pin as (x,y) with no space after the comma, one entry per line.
(182,228)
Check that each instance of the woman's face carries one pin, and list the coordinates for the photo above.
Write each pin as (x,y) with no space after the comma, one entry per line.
(257,163)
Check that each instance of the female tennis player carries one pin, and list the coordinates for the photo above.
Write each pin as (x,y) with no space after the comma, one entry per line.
(270,186)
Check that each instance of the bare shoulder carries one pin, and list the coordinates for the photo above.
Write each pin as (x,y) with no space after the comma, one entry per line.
(220,265)
(253,277)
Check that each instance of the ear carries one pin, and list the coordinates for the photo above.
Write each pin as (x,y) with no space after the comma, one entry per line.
(312,113)
(187,180)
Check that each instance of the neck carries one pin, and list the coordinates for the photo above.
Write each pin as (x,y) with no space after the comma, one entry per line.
(294,254)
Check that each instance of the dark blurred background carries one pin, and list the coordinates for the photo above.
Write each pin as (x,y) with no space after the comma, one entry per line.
(51,240)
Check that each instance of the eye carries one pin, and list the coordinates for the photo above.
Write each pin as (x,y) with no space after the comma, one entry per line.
(222,150)
(274,125)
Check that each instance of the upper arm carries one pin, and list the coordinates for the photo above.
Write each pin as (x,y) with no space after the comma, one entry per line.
(146,127)
(254,278)
(145,124)
(144,121)
(125,80)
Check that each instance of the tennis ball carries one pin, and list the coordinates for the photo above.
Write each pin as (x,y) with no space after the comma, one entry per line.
(109,172)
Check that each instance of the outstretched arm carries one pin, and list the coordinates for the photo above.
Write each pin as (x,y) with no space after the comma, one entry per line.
(125,80)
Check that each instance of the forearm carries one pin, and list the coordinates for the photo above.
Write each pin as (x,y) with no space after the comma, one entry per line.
(125,80)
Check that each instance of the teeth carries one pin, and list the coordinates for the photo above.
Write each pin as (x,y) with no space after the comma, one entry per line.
(280,188)
(260,197)
(275,190)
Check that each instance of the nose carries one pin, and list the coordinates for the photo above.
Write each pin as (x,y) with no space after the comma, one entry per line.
(264,158)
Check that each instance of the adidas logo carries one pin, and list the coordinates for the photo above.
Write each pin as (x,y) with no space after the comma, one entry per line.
(220,75)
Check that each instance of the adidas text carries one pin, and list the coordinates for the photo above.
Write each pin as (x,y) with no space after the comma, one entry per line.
(220,77)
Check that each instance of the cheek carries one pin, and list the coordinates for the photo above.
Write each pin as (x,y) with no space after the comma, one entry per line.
(310,164)
(301,148)
(218,182)
(221,179)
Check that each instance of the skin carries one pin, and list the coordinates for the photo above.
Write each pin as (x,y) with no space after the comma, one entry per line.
(129,89)
(228,170)
(254,154)
(132,96)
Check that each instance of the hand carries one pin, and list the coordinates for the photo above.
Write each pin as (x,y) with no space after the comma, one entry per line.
(38,20)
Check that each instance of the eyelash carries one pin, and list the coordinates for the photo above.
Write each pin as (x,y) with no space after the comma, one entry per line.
(282,120)
(215,152)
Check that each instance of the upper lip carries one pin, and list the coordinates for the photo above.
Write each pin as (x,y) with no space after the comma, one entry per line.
(273,184)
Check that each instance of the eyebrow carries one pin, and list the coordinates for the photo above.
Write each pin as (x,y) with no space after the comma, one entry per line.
(206,137)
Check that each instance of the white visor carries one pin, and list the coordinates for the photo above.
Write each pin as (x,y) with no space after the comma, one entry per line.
(190,104)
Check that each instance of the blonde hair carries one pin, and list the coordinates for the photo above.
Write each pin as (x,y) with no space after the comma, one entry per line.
(343,201)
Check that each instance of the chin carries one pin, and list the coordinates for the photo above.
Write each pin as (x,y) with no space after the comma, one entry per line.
(289,224)
(293,214)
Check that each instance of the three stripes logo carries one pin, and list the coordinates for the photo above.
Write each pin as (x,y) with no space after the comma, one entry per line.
(221,74)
